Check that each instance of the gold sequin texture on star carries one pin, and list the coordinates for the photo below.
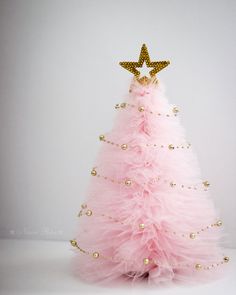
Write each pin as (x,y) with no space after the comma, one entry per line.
(144,57)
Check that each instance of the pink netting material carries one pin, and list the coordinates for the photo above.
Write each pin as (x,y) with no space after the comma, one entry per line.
(162,208)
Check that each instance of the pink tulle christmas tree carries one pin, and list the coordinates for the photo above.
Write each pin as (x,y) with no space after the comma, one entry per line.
(147,215)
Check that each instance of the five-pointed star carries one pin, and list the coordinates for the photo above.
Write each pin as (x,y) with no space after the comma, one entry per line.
(144,57)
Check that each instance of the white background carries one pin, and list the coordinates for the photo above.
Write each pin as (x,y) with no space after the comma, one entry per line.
(60,79)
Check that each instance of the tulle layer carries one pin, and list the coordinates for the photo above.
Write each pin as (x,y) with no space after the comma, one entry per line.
(153,217)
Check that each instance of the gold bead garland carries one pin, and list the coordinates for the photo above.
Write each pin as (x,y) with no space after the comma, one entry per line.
(93,172)
(124,146)
(146,261)
(95,255)
(102,137)
(123,105)
(198,266)
(170,146)
(129,182)
(206,183)
(226,259)
(75,244)
(117,106)
(141,109)
(173,184)
(175,110)
(219,223)
(80,213)
(142,226)
(89,213)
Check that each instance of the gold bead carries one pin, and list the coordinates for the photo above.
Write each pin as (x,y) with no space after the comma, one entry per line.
(226,259)
(206,183)
(73,243)
(175,110)
(80,213)
(219,223)
(95,255)
(192,235)
(124,146)
(102,137)
(123,105)
(94,172)
(145,261)
(141,109)
(83,206)
(89,213)
(117,106)
(141,225)
(198,266)
(171,147)
(172,184)
(128,182)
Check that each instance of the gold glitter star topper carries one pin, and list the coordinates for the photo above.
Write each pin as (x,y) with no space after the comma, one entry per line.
(144,57)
